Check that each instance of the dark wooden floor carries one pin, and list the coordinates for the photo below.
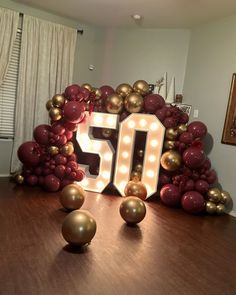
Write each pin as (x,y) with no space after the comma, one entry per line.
(170,252)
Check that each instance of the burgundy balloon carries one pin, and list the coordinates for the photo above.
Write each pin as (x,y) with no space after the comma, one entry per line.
(73,157)
(41,134)
(79,175)
(38,170)
(153,102)
(72,90)
(207,163)
(73,111)
(184,118)
(60,159)
(201,186)
(51,183)
(32,180)
(68,134)
(194,157)
(72,165)
(60,171)
(193,202)
(70,126)
(106,91)
(164,179)
(189,185)
(186,137)
(170,195)
(84,93)
(170,122)
(212,177)
(198,129)
(29,153)
(61,140)
(58,128)
(161,114)
(41,180)
(65,182)
(123,116)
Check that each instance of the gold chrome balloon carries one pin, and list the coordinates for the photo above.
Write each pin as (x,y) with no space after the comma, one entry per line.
(140,153)
(124,89)
(58,100)
(210,207)
(107,133)
(214,195)
(220,209)
(138,168)
(135,176)
(114,104)
(55,114)
(67,149)
(87,86)
(53,150)
(19,179)
(171,134)
(132,210)
(182,128)
(225,198)
(171,160)
(136,189)
(169,144)
(97,92)
(141,87)
(49,104)
(133,102)
(79,227)
(72,196)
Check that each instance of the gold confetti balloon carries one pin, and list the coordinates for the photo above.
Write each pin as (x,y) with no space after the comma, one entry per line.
(114,104)
(220,209)
(182,128)
(55,114)
(210,207)
(171,134)
(141,87)
(53,150)
(225,198)
(137,189)
(67,149)
(58,100)
(87,86)
(107,133)
(72,196)
(132,210)
(214,195)
(133,102)
(49,104)
(171,160)
(169,144)
(124,90)
(79,227)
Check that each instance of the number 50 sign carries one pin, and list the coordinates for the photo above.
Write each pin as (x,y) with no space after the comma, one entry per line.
(125,149)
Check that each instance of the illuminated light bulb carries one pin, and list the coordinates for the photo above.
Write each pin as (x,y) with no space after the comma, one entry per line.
(105,174)
(152,158)
(131,124)
(150,173)
(108,156)
(127,139)
(97,145)
(154,143)
(111,121)
(153,126)
(123,169)
(142,123)
(100,184)
(125,155)
(98,119)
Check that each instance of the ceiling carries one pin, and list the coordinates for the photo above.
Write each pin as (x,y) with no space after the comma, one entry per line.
(155,13)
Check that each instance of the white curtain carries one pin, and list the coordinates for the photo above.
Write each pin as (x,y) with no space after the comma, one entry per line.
(46,68)
(8,29)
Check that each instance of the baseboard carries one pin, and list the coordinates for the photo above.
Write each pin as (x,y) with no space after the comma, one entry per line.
(5,175)
(232,213)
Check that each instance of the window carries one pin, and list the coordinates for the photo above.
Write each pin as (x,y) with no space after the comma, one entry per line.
(8,92)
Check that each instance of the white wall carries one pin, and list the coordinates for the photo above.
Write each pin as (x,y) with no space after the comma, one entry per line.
(132,54)
(211,62)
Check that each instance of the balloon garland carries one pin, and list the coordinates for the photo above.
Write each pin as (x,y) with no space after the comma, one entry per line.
(186,177)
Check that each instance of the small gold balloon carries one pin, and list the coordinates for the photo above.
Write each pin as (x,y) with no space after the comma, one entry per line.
(214,195)
(220,209)
(225,198)
(124,89)
(49,104)
(138,168)
(53,150)
(67,149)
(19,179)
(79,227)
(171,160)
(141,87)
(133,102)
(210,207)
(107,133)
(58,100)
(72,196)
(182,128)
(55,114)
(97,92)
(171,134)
(140,153)
(136,176)
(114,104)
(132,210)
(169,144)
(87,86)
(136,189)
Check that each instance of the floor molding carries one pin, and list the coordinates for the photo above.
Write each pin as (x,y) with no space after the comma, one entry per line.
(5,175)
(233,213)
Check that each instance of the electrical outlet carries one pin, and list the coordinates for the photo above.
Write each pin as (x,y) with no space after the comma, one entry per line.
(195,113)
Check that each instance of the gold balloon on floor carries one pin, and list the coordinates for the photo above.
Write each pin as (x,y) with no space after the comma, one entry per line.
(138,168)
(137,189)
(55,114)
(87,86)
(67,149)
(225,198)
(210,207)
(214,195)
(124,89)
(19,179)
(72,197)
(171,134)
(49,104)
(133,102)
(53,150)
(169,144)
(132,210)
(220,209)
(114,104)
(58,100)
(136,176)
(79,227)
(141,87)
(107,133)
(182,128)
(171,160)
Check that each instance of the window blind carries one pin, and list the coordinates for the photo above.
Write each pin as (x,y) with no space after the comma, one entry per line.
(8,91)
